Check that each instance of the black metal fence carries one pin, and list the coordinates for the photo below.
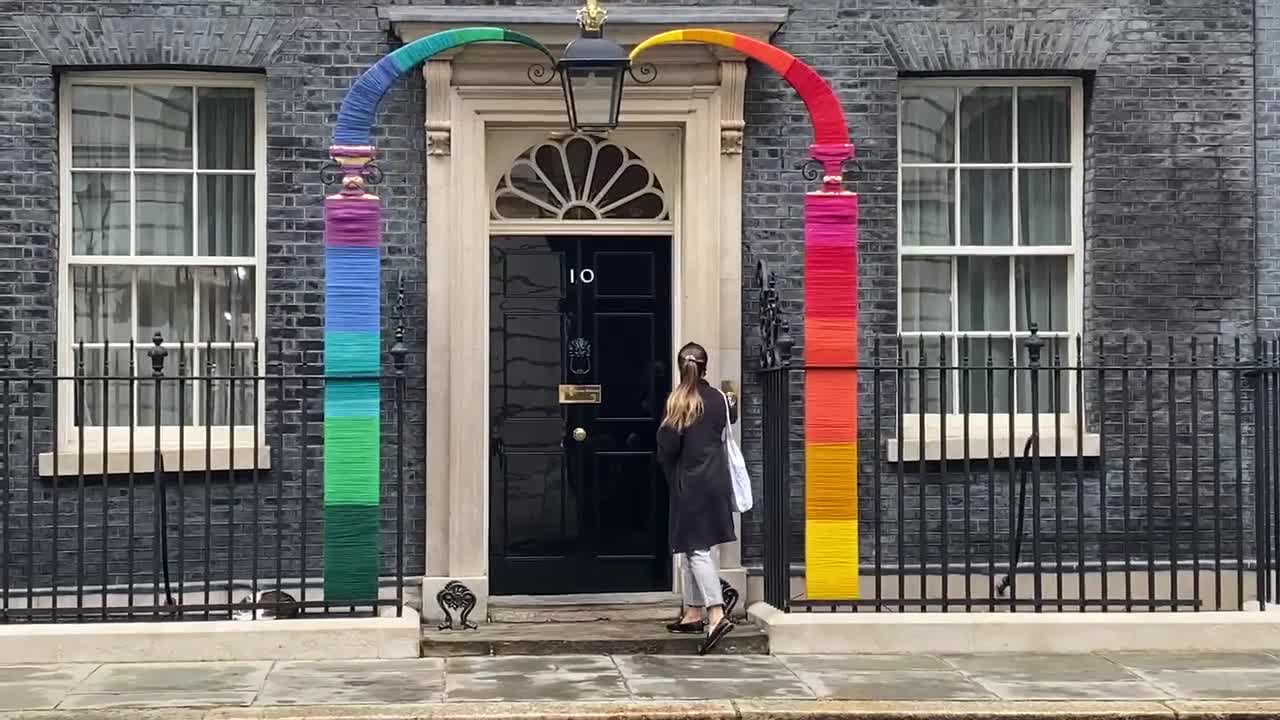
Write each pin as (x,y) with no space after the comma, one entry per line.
(1041,474)
(178,481)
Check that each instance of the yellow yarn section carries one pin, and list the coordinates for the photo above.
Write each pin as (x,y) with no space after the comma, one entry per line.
(831,559)
(831,521)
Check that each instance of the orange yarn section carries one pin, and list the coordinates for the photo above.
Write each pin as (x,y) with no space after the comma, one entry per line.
(831,342)
(828,494)
(830,407)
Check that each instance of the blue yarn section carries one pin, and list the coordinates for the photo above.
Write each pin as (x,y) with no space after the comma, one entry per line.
(351,399)
(352,277)
(360,106)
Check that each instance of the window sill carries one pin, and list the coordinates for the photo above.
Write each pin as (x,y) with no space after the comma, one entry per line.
(121,460)
(1063,445)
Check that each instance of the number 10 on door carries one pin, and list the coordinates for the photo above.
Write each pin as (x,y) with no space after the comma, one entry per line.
(586,276)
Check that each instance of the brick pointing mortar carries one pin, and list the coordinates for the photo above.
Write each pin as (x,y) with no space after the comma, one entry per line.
(1168,205)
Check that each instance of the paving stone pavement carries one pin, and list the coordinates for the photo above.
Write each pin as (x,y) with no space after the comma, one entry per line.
(596,678)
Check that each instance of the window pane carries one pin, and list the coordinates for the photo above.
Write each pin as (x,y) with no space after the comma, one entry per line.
(100,213)
(1044,124)
(988,388)
(1042,293)
(923,383)
(99,126)
(228,394)
(986,207)
(227,304)
(226,128)
(984,293)
(102,401)
(928,125)
(1045,381)
(171,407)
(165,296)
(926,294)
(986,125)
(164,214)
(928,206)
(103,303)
(1045,196)
(162,126)
(226,215)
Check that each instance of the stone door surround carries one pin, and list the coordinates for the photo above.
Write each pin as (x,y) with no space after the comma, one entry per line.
(699,92)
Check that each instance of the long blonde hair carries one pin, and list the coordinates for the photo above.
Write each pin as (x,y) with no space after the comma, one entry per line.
(684,404)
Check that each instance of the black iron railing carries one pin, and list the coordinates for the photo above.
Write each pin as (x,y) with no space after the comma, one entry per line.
(1039,473)
(175,481)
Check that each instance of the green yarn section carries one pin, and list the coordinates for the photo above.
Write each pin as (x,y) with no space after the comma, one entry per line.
(351,553)
(351,455)
(417,52)
(351,352)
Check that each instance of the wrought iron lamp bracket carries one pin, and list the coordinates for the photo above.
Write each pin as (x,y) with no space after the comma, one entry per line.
(333,173)
(813,169)
(544,74)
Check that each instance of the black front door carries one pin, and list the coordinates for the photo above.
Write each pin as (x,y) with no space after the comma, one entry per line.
(577,501)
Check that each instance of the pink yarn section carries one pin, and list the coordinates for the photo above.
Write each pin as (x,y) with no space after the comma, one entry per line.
(347,222)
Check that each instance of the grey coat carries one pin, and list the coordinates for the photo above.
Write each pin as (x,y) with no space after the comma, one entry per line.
(697,471)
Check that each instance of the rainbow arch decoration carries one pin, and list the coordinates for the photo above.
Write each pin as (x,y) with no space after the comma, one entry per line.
(352,331)
(830,322)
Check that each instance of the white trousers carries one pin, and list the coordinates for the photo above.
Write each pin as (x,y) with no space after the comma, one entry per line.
(700,579)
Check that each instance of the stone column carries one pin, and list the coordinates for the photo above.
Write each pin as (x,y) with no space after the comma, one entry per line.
(733,78)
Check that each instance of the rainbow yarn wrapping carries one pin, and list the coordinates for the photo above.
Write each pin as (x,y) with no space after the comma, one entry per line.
(831,323)
(831,395)
(352,343)
(360,106)
(829,126)
(352,426)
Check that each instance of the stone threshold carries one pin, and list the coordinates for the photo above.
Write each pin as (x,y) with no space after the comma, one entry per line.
(704,710)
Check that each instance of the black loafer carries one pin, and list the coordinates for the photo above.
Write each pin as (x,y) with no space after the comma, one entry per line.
(685,628)
(717,634)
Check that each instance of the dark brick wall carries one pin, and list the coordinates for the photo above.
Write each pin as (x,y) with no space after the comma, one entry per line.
(1267,156)
(1168,197)
(1168,201)
(310,53)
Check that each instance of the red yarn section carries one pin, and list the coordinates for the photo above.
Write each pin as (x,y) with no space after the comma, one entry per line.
(824,107)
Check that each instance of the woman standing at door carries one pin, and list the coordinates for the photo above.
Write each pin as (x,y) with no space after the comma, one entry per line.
(691,452)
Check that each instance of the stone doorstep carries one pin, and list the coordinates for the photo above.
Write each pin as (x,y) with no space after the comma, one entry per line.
(703,710)
(214,640)
(583,608)
(584,638)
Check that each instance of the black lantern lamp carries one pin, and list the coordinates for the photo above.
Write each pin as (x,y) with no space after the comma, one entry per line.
(591,72)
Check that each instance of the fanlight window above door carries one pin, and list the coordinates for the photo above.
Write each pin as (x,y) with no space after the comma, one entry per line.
(582,177)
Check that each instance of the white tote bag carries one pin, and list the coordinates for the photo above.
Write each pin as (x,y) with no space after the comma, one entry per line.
(737,465)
